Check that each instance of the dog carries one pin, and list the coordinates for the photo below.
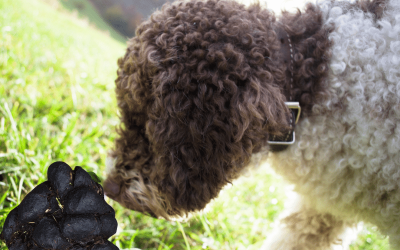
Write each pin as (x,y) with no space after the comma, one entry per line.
(205,86)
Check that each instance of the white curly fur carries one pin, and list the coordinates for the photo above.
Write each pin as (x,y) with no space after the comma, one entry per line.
(346,160)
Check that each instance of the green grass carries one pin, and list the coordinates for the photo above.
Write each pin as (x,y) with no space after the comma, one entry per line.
(86,10)
(57,103)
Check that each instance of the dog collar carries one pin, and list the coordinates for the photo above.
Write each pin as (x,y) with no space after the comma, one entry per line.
(279,143)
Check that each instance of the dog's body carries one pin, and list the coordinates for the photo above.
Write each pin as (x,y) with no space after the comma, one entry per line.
(345,162)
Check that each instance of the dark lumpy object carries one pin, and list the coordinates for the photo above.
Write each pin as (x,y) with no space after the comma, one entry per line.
(32,208)
(11,225)
(60,176)
(66,212)
(83,200)
(106,246)
(47,235)
(80,227)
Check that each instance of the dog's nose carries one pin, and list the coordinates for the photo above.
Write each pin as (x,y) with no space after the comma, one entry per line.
(111,189)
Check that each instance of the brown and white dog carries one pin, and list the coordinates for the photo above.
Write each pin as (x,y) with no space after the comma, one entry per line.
(207,84)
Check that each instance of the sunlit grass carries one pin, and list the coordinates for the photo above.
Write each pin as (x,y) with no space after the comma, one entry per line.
(86,10)
(57,103)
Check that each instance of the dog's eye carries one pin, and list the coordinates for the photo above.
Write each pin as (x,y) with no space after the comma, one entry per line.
(282,41)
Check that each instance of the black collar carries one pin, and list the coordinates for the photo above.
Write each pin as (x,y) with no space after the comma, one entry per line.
(279,143)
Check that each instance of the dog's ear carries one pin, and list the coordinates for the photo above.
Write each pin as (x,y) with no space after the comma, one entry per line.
(203,132)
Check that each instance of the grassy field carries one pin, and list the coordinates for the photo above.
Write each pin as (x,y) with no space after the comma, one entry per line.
(57,103)
(86,10)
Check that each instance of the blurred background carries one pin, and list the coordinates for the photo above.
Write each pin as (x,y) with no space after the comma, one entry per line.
(58,62)
(125,15)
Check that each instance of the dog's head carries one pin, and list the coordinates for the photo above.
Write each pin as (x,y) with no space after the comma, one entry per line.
(199,90)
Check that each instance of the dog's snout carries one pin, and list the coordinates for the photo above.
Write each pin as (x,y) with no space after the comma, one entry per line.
(111,188)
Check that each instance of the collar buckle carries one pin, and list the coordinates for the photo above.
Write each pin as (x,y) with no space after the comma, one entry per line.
(295,109)
(294,106)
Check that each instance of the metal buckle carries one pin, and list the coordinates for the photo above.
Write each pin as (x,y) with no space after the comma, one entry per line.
(290,105)
(294,105)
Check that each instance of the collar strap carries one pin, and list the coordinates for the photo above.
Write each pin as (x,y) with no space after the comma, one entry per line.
(279,143)
(287,52)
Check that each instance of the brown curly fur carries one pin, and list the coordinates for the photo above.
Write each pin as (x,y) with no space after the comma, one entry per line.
(200,89)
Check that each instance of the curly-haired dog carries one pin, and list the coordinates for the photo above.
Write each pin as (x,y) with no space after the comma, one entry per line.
(202,88)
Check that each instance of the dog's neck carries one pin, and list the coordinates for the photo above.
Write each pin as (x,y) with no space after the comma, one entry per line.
(287,51)
(279,143)
(305,56)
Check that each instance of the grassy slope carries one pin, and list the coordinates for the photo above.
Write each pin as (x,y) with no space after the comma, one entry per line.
(57,103)
(89,11)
